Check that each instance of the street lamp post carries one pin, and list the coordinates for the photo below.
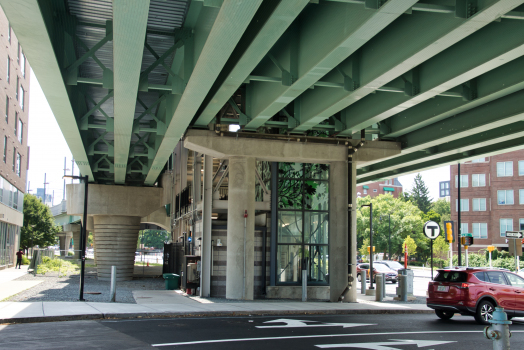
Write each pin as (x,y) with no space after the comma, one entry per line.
(83,234)
(370,205)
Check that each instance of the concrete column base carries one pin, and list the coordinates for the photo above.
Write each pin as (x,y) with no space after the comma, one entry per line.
(116,238)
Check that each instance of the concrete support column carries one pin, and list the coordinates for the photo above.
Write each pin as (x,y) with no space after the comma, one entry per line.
(352,249)
(338,223)
(116,237)
(65,242)
(240,256)
(207,207)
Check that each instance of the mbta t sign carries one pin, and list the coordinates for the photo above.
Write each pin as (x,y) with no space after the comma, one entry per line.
(431,230)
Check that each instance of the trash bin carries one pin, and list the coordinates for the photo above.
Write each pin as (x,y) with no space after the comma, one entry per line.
(172,281)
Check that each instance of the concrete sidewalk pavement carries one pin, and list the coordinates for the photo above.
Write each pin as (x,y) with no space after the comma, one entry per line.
(156,304)
(8,285)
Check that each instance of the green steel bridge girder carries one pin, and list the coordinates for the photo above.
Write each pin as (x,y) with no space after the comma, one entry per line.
(380,61)
(319,46)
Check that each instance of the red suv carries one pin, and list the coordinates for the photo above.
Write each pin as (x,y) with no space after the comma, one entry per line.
(476,292)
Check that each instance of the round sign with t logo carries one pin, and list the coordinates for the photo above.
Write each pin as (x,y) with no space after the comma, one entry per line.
(431,229)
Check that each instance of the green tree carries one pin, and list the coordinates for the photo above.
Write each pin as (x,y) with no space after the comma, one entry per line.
(443,208)
(405,220)
(153,238)
(440,247)
(363,251)
(39,227)
(420,194)
(412,246)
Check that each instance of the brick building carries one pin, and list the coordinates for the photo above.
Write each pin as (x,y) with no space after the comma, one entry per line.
(492,198)
(14,80)
(392,186)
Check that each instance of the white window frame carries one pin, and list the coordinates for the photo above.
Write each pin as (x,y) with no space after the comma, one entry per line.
(521,196)
(479,160)
(481,204)
(462,206)
(508,169)
(521,224)
(476,178)
(463,181)
(365,191)
(506,202)
(464,226)
(480,227)
(505,225)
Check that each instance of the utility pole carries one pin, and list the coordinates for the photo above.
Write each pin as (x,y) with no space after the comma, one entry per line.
(72,169)
(65,169)
(45,183)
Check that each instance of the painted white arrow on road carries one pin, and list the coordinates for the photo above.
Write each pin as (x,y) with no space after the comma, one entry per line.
(289,323)
(386,345)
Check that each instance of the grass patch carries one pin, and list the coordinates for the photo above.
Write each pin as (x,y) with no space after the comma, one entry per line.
(56,265)
(150,264)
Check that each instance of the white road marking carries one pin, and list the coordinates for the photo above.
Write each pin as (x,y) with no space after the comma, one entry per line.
(290,323)
(385,345)
(310,336)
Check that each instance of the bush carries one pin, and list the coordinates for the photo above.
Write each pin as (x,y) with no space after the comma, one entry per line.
(438,262)
(25,260)
(70,253)
(415,263)
(494,255)
(56,265)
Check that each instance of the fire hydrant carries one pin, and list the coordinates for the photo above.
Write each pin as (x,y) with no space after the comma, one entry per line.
(499,330)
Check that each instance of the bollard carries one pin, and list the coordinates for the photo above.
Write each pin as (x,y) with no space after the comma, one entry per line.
(304,285)
(112,292)
(403,285)
(363,282)
(383,285)
(379,278)
(499,330)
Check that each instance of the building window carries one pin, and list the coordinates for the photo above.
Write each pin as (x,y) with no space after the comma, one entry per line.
(303,222)
(6,109)
(479,204)
(521,167)
(463,181)
(521,196)
(5,149)
(444,188)
(9,33)
(480,230)
(479,160)
(18,164)
(17,86)
(505,225)
(505,197)
(18,54)
(464,204)
(8,69)
(375,190)
(16,124)
(20,131)
(22,96)
(478,180)
(521,224)
(365,191)
(464,228)
(504,169)
(14,159)
(22,65)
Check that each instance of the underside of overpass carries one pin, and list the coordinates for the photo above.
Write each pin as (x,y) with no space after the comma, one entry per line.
(395,86)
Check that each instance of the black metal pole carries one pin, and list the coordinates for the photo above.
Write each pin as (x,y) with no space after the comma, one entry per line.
(371,246)
(432,260)
(459,208)
(83,236)
(389,239)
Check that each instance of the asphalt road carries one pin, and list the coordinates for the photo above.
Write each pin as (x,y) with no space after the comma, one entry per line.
(379,332)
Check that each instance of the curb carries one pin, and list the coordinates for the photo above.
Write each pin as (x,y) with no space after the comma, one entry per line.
(127,316)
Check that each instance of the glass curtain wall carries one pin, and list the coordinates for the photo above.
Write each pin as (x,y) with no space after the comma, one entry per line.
(303,223)
(8,234)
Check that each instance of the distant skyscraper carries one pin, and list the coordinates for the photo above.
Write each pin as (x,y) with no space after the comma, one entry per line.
(40,194)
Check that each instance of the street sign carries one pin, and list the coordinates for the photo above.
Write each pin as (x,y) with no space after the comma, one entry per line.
(514,234)
(431,229)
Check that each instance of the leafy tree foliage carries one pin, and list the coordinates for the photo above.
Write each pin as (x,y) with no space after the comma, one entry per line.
(405,220)
(410,243)
(440,247)
(441,207)
(420,194)
(39,227)
(153,238)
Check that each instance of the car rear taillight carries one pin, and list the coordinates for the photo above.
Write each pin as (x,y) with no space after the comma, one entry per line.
(464,286)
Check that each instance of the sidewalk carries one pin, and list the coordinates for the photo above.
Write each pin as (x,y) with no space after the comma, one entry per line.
(9,287)
(157,304)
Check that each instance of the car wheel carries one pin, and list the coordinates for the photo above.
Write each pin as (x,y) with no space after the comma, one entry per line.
(359,277)
(394,281)
(484,312)
(444,315)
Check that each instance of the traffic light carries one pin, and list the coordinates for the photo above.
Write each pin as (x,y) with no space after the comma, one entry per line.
(373,249)
(449,231)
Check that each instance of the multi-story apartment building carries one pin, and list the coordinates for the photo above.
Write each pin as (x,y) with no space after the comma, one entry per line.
(14,80)
(392,186)
(492,198)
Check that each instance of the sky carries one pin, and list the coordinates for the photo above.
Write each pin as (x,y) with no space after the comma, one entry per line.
(48,149)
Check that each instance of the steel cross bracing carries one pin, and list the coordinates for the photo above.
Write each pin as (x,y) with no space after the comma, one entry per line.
(127,78)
